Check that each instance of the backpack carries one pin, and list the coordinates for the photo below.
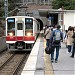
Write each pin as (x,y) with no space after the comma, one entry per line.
(57,36)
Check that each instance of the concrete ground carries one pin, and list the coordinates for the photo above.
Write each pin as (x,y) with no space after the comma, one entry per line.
(66,64)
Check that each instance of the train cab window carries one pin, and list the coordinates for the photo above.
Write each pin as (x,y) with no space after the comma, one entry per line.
(29,26)
(19,26)
(29,23)
(11,24)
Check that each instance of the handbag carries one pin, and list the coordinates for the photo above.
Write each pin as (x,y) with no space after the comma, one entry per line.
(48,50)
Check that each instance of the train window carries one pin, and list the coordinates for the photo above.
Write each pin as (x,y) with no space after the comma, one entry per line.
(29,26)
(29,20)
(20,26)
(29,23)
(11,26)
(11,23)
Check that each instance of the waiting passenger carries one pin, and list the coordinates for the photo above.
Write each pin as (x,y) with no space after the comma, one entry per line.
(73,51)
(47,34)
(55,40)
(69,39)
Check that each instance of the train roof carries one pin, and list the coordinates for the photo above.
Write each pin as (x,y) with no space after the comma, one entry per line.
(19,16)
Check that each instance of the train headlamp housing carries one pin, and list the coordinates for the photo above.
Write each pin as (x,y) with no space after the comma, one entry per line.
(10,34)
(29,34)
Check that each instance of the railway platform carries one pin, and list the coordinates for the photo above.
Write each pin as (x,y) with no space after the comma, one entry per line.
(39,63)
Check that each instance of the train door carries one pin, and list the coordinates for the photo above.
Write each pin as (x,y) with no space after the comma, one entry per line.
(20,29)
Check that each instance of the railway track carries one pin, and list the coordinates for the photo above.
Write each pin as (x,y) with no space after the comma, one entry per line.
(10,63)
(3,52)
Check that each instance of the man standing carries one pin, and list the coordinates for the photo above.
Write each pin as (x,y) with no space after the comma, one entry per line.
(47,34)
(55,40)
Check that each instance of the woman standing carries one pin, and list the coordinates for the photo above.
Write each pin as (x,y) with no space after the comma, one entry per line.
(69,39)
(73,51)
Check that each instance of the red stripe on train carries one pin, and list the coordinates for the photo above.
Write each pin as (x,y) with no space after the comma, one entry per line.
(29,38)
(20,38)
(10,38)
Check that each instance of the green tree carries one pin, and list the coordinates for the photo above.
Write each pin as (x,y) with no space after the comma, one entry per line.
(1,8)
(12,4)
(67,4)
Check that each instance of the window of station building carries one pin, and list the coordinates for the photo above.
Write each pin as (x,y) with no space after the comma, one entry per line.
(29,1)
(45,2)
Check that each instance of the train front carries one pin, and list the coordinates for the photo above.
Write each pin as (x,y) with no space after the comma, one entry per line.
(20,33)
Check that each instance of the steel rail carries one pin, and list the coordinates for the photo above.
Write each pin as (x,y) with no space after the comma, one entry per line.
(19,64)
(6,61)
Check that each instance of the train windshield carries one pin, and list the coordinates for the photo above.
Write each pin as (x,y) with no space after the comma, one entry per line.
(29,23)
(19,26)
(11,23)
(28,26)
(11,26)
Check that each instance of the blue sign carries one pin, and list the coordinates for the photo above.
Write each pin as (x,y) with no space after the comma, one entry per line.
(28,20)
(11,20)
(49,18)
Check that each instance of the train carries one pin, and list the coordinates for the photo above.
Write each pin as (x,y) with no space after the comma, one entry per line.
(21,32)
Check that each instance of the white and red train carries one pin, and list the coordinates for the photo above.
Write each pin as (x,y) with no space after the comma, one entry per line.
(21,32)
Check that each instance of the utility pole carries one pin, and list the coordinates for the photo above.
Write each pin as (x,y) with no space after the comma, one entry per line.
(62,20)
(6,12)
(6,8)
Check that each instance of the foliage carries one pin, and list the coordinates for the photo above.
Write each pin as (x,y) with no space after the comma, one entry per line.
(11,5)
(67,4)
(1,8)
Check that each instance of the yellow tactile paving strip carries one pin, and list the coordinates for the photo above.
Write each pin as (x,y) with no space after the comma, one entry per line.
(47,63)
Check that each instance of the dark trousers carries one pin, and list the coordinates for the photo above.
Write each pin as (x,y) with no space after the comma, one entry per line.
(69,48)
(57,53)
(47,42)
(73,51)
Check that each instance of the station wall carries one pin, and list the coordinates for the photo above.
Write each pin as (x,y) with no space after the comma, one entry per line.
(69,18)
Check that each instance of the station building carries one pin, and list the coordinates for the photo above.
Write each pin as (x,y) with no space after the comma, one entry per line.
(43,12)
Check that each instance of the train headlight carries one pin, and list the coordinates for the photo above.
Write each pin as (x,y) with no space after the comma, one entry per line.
(29,34)
(10,34)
